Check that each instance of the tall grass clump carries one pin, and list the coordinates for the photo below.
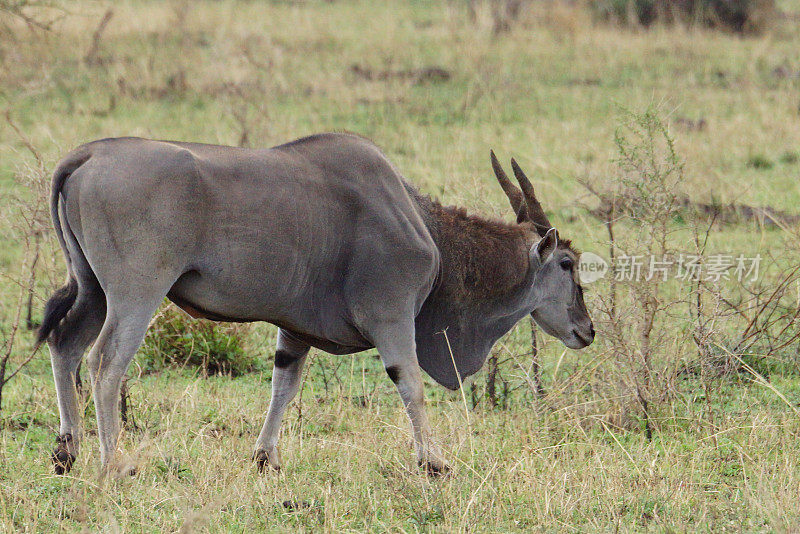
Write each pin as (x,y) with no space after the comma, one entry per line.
(174,340)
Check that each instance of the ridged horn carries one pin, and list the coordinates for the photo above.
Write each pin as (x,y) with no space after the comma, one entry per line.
(535,212)
(513,192)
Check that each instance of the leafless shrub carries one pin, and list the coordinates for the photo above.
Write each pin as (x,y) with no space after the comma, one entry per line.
(9,331)
(691,125)
(738,324)
(27,219)
(750,325)
(250,119)
(91,57)
(36,14)
(644,196)
(504,13)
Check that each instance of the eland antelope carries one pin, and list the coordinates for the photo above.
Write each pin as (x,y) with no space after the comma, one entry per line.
(321,237)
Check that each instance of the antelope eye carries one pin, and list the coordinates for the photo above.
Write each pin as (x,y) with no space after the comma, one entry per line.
(566,264)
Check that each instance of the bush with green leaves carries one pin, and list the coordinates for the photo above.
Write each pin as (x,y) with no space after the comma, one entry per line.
(745,16)
(176,340)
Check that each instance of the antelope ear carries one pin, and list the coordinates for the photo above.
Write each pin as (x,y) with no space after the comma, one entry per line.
(547,245)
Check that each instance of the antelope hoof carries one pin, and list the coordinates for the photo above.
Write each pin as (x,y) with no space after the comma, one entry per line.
(62,461)
(61,457)
(266,460)
(125,467)
(435,468)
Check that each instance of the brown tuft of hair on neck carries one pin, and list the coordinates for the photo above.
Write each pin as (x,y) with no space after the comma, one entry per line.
(481,258)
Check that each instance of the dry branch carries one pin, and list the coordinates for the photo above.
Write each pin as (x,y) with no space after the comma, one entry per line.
(91,57)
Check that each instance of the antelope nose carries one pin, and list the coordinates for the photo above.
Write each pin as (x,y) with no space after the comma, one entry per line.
(585,333)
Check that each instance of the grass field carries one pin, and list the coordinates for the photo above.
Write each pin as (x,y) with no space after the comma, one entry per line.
(550,92)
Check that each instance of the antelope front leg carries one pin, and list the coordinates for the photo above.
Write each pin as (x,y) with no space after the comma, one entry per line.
(290,356)
(400,360)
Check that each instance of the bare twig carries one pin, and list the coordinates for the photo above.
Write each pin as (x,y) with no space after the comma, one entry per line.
(91,55)
(24,139)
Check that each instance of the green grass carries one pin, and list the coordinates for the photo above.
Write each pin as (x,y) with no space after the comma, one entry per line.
(548,92)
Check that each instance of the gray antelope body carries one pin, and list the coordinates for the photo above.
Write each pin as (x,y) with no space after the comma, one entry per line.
(321,237)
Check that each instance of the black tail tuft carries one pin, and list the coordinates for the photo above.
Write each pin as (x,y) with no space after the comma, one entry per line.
(56,309)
